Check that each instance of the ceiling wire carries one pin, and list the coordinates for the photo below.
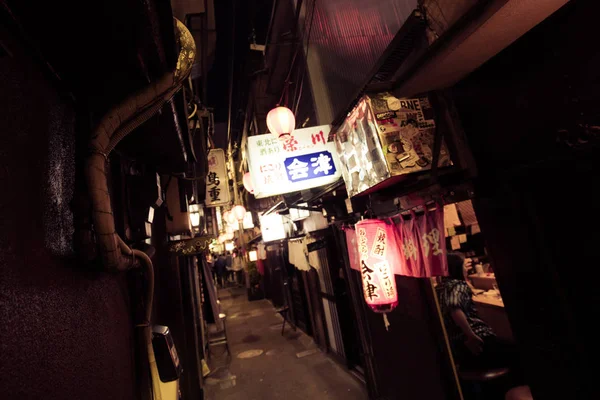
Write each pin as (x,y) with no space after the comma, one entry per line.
(312,17)
(231,68)
(284,93)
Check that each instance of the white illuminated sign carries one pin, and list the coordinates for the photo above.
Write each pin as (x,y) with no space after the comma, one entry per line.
(272,227)
(302,161)
(248,223)
(217,182)
(297,214)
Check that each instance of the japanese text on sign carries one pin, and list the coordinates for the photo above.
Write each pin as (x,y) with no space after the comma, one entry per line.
(384,272)
(432,240)
(369,287)
(363,248)
(379,244)
(217,192)
(301,161)
(309,166)
(410,250)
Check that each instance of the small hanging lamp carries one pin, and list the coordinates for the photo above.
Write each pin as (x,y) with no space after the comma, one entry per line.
(281,122)
(230,217)
(239,212)
(248,183)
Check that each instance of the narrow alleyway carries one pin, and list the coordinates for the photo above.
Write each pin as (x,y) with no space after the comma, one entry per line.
(266,365)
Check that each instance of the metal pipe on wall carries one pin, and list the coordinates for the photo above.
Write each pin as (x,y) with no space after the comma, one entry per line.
(113,127)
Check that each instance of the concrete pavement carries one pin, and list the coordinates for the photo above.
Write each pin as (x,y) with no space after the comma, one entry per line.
(266,365)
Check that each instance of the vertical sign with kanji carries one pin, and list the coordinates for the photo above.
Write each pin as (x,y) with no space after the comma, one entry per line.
(217,187)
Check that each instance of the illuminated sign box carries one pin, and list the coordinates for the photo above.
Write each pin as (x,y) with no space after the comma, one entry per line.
(272,227)
(303,160)
(385,138)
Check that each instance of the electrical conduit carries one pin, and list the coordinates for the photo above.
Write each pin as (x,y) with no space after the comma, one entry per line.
(115,254)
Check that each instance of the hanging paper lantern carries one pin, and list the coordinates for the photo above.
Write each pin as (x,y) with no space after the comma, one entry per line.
(281,122)
(239,213)
(248,183)
(228,235)
(226,216)
(379,256)
(230,218)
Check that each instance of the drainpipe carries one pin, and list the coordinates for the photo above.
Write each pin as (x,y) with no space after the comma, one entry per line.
(115,254)
(115,126)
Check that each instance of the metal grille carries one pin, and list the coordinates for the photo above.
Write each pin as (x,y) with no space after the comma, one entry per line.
(336,343)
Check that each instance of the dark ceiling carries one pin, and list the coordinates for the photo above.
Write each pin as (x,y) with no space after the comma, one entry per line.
(248,18)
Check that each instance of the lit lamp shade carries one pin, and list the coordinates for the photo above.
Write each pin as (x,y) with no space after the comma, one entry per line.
(230,217)
(272,227)
(247,180)
(225,216)
(281,121)
(379,257)
(239,212)
(194,211)
(253,255)
(229,246)
(228,235)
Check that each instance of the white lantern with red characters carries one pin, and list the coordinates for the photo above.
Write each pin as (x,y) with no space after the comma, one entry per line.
(379,258)
(281,122)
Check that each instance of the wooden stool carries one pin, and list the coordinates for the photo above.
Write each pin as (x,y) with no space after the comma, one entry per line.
(283,311)
(484,375)
(519,393)
(482,380)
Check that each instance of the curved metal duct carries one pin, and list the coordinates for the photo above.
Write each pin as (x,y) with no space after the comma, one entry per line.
(114,126)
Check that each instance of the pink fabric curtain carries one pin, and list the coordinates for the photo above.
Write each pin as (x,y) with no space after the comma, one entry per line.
(352,248)
(260,266)
(422,242)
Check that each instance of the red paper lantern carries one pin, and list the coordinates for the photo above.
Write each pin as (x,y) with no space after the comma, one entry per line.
(281,121)
(239,212)
(379,257)
(248,183)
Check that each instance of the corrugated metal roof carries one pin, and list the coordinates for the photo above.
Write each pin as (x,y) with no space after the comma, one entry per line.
(349,37)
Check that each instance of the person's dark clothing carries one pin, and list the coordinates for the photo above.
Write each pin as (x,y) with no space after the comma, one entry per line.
(496,353)
(454,293)
(221,269)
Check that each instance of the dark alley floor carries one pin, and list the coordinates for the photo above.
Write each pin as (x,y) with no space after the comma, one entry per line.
(267,365)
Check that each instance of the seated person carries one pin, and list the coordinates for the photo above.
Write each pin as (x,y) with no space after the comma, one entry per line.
(474,344)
